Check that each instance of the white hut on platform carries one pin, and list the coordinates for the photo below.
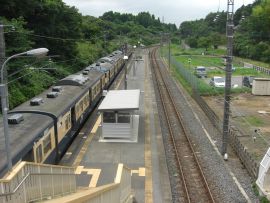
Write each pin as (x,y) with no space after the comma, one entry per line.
(119,119)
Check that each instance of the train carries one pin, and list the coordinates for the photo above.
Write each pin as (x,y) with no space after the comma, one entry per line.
(33,133)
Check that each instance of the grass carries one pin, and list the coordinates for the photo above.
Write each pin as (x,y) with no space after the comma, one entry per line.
(263,199)
(255,121)
(257,63)
(239,71)
(177,51)
(204,88)
(196,59)
(200,61)
(179,78)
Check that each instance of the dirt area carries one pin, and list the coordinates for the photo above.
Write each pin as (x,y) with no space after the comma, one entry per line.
(246,118)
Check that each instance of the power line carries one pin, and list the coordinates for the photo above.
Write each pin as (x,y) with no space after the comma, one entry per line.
(58,38)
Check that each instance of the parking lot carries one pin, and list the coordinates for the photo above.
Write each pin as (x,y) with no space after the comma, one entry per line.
(236,80)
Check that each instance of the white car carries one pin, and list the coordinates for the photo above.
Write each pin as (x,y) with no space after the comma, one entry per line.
(217,81)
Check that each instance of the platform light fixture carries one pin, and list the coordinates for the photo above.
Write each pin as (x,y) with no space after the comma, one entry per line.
(40,52)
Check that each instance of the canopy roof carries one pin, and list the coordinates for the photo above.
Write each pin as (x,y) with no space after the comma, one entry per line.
(121,100)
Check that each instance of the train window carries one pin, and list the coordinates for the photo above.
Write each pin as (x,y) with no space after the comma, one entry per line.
(86,99)
(81,105)
(47,145)
(123,117)
(77,108)
(109,117)
(67,123)
(39,154)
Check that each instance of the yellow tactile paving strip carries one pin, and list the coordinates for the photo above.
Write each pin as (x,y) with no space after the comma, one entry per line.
(147,145)
(94,172)
(140,172)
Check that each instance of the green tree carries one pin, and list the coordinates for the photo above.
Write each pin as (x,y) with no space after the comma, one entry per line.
(204,42)
(216,39)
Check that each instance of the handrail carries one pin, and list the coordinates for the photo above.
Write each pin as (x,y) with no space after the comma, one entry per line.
(24,179)
(20,165)
(15,190)
(118,191)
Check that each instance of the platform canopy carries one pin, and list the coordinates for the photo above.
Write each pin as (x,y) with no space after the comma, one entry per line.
(121,100)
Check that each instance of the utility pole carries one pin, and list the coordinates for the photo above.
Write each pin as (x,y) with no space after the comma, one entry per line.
(229,33)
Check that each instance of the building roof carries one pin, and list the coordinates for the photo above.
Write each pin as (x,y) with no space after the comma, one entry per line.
(262,79)
(121,100)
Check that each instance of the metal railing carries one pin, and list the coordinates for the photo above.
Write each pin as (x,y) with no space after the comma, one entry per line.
(30,182)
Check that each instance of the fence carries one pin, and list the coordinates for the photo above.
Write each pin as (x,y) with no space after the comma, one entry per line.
(250,164)
(257,68)
(30,182)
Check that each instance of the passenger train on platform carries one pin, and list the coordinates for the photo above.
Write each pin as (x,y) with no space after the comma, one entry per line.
(71,100)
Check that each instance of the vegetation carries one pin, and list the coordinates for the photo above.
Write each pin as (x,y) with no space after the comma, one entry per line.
(74,40)
(183,70)
(252,35)
(255,121)
(263,199)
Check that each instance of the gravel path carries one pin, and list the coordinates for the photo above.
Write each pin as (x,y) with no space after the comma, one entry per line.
(216,170)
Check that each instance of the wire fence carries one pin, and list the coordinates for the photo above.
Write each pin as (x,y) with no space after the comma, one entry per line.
(198,89)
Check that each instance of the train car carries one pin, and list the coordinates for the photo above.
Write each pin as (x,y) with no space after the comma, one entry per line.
(104,68)
(32,135)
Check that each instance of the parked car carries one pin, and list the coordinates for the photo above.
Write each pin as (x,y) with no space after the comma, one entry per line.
(247,81)
(200,72)
(217,81)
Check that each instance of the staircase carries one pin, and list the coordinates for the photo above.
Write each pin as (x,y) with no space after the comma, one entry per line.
(29,182)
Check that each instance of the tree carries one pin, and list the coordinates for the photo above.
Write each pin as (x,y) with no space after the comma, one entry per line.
(204,42)
(216,39)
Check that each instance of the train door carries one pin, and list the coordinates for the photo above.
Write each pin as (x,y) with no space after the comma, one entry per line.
(73,116)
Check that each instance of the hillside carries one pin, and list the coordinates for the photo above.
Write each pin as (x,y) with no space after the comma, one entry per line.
(252,31)
(74,40)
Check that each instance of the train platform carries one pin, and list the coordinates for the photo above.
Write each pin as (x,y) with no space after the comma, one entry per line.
(96,162)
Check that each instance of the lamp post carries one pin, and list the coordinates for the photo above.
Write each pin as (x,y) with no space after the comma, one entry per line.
(125,58)
(4,95)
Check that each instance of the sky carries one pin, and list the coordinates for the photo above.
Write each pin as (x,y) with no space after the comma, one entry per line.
(173,11)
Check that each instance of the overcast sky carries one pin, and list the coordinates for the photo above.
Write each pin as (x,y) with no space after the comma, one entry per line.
(174,11)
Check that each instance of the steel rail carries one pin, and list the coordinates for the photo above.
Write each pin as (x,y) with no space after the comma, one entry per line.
(171,133)
(184,130)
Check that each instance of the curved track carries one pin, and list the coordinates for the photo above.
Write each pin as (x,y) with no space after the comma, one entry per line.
(193,186)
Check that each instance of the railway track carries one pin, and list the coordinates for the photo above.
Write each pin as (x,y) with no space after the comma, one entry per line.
(193,186)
